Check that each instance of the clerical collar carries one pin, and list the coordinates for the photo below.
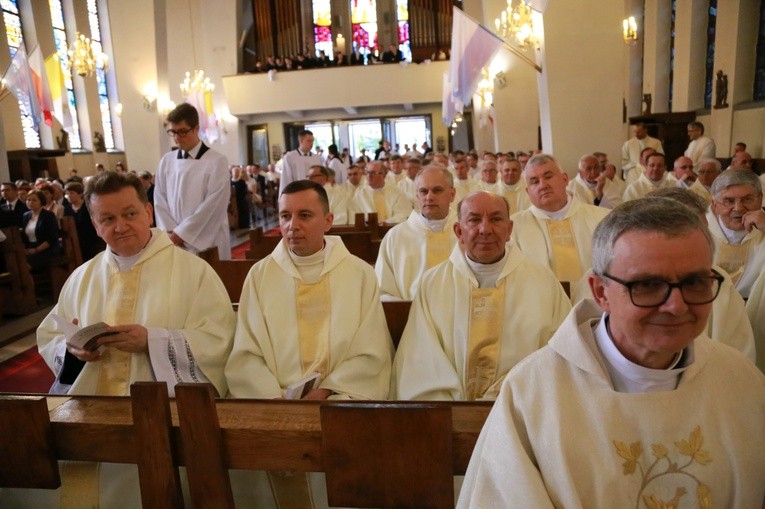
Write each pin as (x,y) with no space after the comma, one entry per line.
(590,185)
(558,214)
(435,225)
(656,183)
(302,153)
(626,376)
(126,263)
(734,237)
(194,151)
(486,273)
(309,267)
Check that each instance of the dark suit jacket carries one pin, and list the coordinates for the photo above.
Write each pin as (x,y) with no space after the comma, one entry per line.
(46,230)
(90,243)
(15,215)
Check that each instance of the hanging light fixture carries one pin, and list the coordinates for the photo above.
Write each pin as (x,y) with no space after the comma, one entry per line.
(83,60)
(197,82)
(517,23)
(630,31)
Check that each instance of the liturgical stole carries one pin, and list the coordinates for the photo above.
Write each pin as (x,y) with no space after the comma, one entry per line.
(732,258)
(380,206)
(565,254)
(313,317)
(80,480)
(437,248)
(487,306)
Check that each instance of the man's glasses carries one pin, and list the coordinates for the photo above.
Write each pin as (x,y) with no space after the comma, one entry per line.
(747,201)
(650,293)
(179,132)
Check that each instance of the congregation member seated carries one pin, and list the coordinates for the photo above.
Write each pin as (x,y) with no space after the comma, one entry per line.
(170,320)
(513,186)
(390,204)
(630,404)
(51,204)
(556,230)
(592,186)
(309,308)
(90,243)
(737,223)
(654,177)
(40,231)
(478,313)
(12,205)
(423,241)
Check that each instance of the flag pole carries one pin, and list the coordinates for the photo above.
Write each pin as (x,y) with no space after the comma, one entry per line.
(515,51)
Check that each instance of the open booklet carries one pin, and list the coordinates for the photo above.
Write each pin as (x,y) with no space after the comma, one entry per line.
(299,389)
(85,337)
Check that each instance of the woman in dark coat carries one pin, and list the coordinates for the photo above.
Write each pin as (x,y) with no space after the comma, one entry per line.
(39,229)
(90,243)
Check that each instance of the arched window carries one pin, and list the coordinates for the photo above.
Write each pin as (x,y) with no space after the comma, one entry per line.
(711,32)
(103,95)
(402,14)
(59,37)
(15,36)
(322,31)
(364,27)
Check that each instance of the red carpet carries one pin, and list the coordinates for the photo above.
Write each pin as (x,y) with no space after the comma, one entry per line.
(237,252)
(26,372)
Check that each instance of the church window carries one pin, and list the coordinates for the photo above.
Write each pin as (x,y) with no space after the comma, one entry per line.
(59,38)
(103,94)
(322,30)
(402,14)
(710,62)
(759,71)
(364,27)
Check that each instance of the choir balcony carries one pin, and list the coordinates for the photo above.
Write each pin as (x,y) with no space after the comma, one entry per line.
(345,89)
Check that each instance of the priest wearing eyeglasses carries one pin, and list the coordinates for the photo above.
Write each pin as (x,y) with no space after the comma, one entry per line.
(192,188)
(630,403)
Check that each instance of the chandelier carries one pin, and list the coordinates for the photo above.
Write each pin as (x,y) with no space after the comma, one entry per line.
(83,59)
(516,22)
(629,31)
(197,82)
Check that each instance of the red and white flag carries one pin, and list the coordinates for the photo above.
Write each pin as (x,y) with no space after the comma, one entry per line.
(40,85)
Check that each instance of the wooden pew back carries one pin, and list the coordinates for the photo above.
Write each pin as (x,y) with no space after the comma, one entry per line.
(422,445)
(17,288)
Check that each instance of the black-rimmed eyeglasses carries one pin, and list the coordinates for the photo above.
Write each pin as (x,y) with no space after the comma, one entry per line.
(649,293)
(179,132)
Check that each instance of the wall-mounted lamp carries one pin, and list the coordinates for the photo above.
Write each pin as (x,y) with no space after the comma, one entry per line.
(150,103)
(630,31)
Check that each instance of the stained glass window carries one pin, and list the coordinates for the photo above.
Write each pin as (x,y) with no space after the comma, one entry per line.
(759,71)
(59,37)
(673,18)
(15,37)
(711,29)
(322,31)
(364,27)
(402,12)
(103,96)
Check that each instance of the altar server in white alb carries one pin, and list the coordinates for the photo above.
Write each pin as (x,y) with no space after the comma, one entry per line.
(192,188)
(556,229)
(477,314)
(309,307)
(423,241)
(630,404)
(296,163)
(172,320)
(632,152)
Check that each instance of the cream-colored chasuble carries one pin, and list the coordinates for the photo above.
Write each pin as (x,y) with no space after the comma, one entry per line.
(438,247)
(566,263)
(80,480)
(313,313)
(380,206)
(486,307)
(733,258)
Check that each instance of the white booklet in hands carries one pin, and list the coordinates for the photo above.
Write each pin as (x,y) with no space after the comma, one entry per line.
(83,337)
(299,389)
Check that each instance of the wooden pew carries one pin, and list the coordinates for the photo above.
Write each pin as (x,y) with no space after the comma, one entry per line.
(231,272)
(71,257)
(118,430)
(210,436)
(17,287)
(261,245)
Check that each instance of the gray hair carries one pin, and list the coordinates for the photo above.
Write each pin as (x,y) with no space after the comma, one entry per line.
(687,197)
(444,172)
(540,159)
(707,160)
(649,214)
(730,178)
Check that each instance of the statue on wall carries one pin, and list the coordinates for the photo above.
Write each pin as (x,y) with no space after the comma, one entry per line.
(721,90)
(647,101)
(98,142)
(63,141)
